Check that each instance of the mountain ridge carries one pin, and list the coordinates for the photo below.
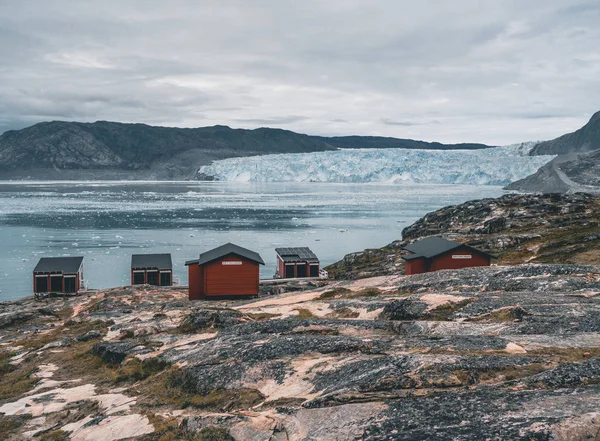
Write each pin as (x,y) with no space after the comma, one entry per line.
(105,149)
(575,169)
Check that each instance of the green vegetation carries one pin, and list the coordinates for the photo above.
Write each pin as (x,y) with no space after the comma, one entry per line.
(345,293)
(138,370)
(168,429)
(445,311)
(55,435)
(344,312)
(261,316)
(10,424)
(176,388)
(304,313)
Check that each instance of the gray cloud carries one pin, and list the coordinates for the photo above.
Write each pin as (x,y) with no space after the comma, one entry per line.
(461,71)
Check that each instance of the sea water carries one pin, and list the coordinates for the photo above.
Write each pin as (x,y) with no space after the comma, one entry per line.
(107,222)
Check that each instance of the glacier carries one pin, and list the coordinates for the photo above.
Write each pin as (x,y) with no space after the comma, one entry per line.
(493,166)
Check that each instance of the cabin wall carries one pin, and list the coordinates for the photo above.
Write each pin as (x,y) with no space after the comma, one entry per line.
(231,276)
(146,270)
(415,266)
(468,259)
(49,277)
(196,282)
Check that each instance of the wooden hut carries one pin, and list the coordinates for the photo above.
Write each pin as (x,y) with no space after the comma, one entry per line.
(296,263)
(151,269)
(58,275)
(435,253)
(228,271)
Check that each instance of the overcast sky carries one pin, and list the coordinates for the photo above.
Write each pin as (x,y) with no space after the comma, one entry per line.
(492,71)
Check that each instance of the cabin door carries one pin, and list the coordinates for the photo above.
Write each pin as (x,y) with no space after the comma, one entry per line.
(301,270)
(56,283)
(70,284)
(289,270)
(165,278)
(41,284)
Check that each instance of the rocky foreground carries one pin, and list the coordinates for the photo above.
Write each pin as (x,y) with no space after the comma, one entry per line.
(498,353)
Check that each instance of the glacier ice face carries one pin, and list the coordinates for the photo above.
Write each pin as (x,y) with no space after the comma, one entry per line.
(494,166)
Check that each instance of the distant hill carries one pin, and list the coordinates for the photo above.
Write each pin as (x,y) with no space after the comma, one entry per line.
(379,142)
(577,168)
(111,150)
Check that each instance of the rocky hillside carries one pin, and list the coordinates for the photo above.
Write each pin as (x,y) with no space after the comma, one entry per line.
(583,140)
(503,353)
(131,150)
(548,228)
(575,169)
(109,150)
(567,173)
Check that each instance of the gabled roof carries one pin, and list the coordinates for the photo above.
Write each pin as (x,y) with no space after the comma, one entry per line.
(302,254)
(225,250)
(434,246)
(160,261)
(68,265)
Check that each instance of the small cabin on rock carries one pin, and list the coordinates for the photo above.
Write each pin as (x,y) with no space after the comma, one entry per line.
(296,263)
(151,269)
(58,275)
(435,253)
(227,271)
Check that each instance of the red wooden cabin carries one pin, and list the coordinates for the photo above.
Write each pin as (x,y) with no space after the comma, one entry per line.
(225,272)
(434,253)
(151,269)
(58,275)
(296,263)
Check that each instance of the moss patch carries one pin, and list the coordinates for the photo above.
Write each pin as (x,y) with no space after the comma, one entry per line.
(445,311)
(174,388)
(169,429)
(11,424)
(304,313)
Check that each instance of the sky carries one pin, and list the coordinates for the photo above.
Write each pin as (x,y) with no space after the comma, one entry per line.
(490,71)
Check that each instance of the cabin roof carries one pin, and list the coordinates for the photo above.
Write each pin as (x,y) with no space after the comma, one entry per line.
(160,261)
(434,246)
(69,265)
(298,254)
(225,250)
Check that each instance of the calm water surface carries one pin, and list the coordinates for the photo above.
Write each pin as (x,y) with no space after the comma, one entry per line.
(108,221)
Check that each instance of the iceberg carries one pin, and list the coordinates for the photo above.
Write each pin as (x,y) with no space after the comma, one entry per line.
(493,166)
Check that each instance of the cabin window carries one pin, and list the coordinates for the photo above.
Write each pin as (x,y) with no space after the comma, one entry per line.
(138,278)
(152,278)
(314,270)
(289,270)
(165,278)
(70,285)
(56,284)
(41,283)
(301,270)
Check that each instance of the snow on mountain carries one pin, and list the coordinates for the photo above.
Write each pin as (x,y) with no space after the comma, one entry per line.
(494,166)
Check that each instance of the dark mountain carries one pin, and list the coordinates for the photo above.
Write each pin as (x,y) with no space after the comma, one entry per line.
(566,173)
(110,150)
(583,140)
(380,142)
(116,149)
(577,168)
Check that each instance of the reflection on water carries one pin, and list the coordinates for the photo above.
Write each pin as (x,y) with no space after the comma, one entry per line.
(106,221)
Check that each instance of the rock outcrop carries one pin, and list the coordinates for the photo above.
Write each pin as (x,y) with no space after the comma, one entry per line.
(567,174)
(583,140)
(575,169)
(548,228)
(484,353)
